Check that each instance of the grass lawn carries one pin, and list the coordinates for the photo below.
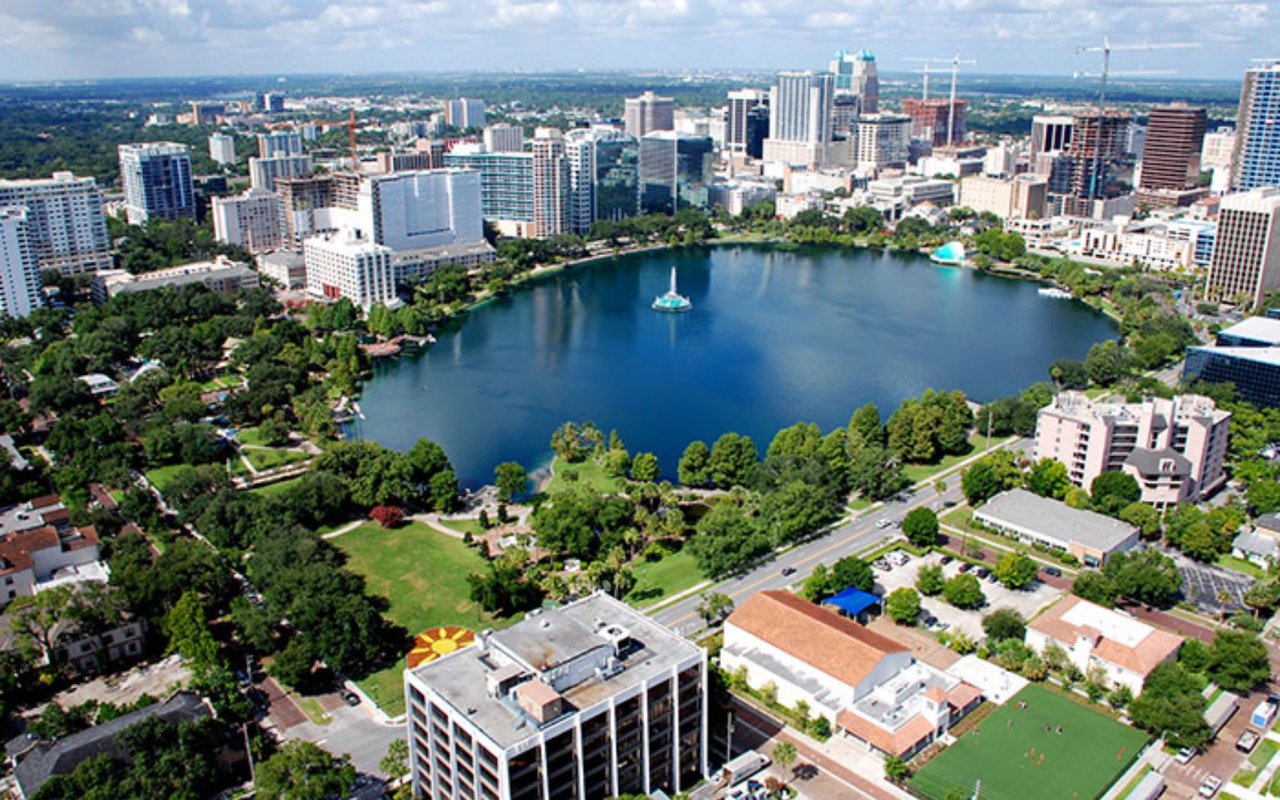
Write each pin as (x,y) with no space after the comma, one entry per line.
(589,474)
(272,489)
(471,526)
(859,503)
(270,459)
(1240,565)
(1257,760)
(1015,757)
(919,472)
(160,476)
(1128,787)
(423,573)
(656,580)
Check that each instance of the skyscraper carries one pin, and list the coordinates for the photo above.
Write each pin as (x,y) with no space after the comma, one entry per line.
(866,81)
(263,172)
(1256,159)
(931,119)
(157,181)
(464,113)
(1050,134)
(883,140)
(738,118)
(550,183)
(279,143)
(648,113)
(253,220)
(1246,251)
(580,153)
(800,117)
(503,138)
(1096,143)
(617,180)
(506,186)
(675,170)
(19,272)
(1171,156)
(66,228)
(222,148)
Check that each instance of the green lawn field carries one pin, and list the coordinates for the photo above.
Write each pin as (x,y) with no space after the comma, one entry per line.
(1016,757)
(657,580)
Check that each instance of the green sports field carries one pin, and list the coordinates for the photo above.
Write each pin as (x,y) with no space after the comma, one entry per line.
(1016,758)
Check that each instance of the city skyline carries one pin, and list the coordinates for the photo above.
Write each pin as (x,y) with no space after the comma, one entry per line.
(88,39)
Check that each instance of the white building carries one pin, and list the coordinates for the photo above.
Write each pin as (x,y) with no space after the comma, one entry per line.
(503,138)
(648,113)
(157,181)
(883,140)
(1126,649)
(253,220)
(222,148)
(285,267)
(800,118)
(464,113)
(66,226)
(738,195)
(263,172)
(416,210)
(19,272)
(279,143)
(1216,151)
(347,264)
(1089,536)
(221,275)
(39,549)
(1246,251)
(788,206)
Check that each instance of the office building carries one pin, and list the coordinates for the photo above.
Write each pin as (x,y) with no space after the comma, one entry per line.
(617,176)
(19,271)
(1050,134)
(221,275)
(931,119)
(675,171)
(800,118)
(222,149)
(1246,252)
(580,154)
(845,110)
(882,140)
(855,74)
(742,121)
(506,186)
(1174,448)
(1170,171)
(588,700)
(253,220)
(389,161)
(203,113)
(66,227)
(1022,196)
(867,685)
(1255,161)
(648,113)
(157,181)
(348,264)
(464,113)
(503,138)
(550,183)
(264,172)
(417,210)
(1246,355)
(279,143)
(1055,526)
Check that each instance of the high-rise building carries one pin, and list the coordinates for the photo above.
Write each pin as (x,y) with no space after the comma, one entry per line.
(1256,159)
(203,113)
(675,171)
(464,113)
(222,148)
(1096,143)
(845,110)
(1171,156)
(253,220)
(506,186)
(550,183)
(931,119)
(588,700)
(855,74)
(503,138)
(1050,134)
(157,181)
(800,118)
(617,178)
(66,228)
(1246,251)
(883,140)
(738,118)
(279,143)
(580,153)
(348,264)
(647,113)
(263,172)
(19,271)
(1217,149)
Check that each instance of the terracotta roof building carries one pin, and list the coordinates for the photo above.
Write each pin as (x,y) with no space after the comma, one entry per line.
(868,685)
(40,549)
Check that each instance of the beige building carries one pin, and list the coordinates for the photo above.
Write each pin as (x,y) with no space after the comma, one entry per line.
(253,220)
(1246,253)
(1022,197)
(648,113)
(220,275)
(1174,448)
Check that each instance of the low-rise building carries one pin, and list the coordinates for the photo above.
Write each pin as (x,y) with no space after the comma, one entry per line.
(1022,196)
(347,264)
(221,275)
(1089,536)
(1125,648)
(868,685)
(40,549)
(1255,546)
(285,267)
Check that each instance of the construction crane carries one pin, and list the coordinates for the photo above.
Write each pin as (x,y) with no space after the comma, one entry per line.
(955,62)
(1106,49)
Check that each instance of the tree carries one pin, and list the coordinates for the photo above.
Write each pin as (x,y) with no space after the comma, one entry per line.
(302,771)
(902,605)
(395,764)
(921,526)
(852,571)
(714,608)
(694,468)
(387,516)
(1095,587)
(1261,595)
(732,458)
(188,630)
(929,580)
(36,618)
(1145,575)
(1015,570)
(1113,490)
(1238,660)
(1171,704)
(510,479)
(964,591)
(1048,478)
(875,473)
(784,755)
(727,539)
(989,476)
(1108,362)
(1004,623)
(895,769)
(1143,517)
(644,468)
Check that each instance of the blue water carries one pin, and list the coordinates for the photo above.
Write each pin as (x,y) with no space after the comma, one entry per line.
(774,337)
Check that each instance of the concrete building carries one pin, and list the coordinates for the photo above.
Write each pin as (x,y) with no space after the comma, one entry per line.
(66,227)
(41,549)
(351,265)
(1022,196)
(580,155)
(1174,448)
(285,267)
(648,113)
(1170,169)
(931,119)
(221,275)
(253,220)
(1163,247)
(1246,252)
(277,144)
(800,118)
(1255,161)
(588,700)
(1126,649)
(738,195)
(1218,146)
(1036,520)
(206,113)
(157,181)
(1096,144)
(741,115)
(882,140)
(506,186)
(415,210)
(390,161)
(1246,355)
(503,138)
(1050,134)
(550,183)
(675,171)
(19,270)
(222,149)
(264,172)
(464,113)
(856,75)
(869,686)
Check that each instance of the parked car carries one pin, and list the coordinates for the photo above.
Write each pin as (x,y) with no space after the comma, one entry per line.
(946,559)
(1210,787)
(966,566)
(1185,755)
(1054,571)
(349,697)
(1247,741)
(982,572)
(881,564)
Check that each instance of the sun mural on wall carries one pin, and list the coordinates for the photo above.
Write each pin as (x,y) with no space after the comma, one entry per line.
(436,642)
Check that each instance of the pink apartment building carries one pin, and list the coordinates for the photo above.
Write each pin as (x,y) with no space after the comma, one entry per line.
(1174,448)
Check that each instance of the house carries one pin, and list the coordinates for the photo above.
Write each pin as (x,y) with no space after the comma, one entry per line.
(1089,536)
(35,559)
(86,648)
(1255,546)
(1125,648)
(869,686)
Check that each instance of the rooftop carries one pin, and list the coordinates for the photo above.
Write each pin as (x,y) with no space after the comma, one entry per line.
(1262,355)
(1261,329)
(1116,637)
(1052,519)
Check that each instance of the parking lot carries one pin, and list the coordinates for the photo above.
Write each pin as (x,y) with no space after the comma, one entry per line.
(1026,601)
(1201,584)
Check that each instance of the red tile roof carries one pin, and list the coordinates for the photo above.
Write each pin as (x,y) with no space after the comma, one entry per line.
(1142,658)
(896,742)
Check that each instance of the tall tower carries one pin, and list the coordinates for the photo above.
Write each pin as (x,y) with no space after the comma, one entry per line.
(648,113)
(866,81)
(800,107)
(550,183)
(1256,159)
(1171,155)
(19,273)
(738,117)
(1246,250)
(157,181)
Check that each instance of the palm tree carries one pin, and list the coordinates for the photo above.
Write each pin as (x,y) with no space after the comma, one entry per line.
(1224,599)
(784,755)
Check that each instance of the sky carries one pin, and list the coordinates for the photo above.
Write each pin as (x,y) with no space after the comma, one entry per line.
(57,39)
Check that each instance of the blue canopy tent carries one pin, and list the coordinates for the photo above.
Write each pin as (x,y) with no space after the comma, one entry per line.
(852,602)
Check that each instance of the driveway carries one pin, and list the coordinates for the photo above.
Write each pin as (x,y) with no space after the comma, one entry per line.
(351,730)
(1201,584)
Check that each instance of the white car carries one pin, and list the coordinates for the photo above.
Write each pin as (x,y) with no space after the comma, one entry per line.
(1210,787)
(883,522)
(1185,755)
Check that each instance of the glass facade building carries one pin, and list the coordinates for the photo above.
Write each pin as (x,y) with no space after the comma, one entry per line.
(675,170)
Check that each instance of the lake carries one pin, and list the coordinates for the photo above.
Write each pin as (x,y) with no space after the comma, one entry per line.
(774,337)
